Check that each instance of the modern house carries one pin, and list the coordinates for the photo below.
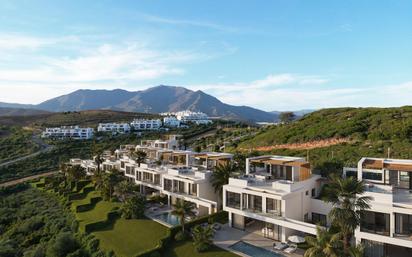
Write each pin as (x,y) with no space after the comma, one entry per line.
(386,229)
(69,132)
(193,117)
(114,127)
(276,198)
(146,124)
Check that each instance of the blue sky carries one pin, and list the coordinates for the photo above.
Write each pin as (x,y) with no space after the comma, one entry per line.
(273,55)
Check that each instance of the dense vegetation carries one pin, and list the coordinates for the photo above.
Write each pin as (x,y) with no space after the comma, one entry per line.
(35,224)
(356,123)
(15,142)
(371,131)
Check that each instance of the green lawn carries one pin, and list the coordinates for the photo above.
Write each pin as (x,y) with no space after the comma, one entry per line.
(186,249)
(129,237)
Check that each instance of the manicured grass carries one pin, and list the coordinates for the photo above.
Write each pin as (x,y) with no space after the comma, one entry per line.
(98,213)
(127,238)
(187,249)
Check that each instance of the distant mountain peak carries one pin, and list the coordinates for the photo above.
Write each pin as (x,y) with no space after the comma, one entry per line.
(161,98)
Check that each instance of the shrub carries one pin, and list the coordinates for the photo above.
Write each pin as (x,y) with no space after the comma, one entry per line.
(180,236)
(64,244)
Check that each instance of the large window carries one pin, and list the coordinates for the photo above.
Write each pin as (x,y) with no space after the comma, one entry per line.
(403,224)
(318,219)
(375,222)
(274,206)
(167,184)
(232,200)
(372,175)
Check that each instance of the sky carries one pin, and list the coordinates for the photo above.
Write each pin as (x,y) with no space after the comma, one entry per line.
(272,55)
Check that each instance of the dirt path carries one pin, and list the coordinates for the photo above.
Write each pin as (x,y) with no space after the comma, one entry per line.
(43,148)
(303,146)
(20,180)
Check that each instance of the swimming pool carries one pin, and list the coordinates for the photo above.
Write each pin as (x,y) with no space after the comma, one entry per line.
(252,250)
(168,218)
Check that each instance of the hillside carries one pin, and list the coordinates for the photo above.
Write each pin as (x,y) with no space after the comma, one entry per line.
(84,118)
(332,138)
(20,112)
(153,100)
(354,123)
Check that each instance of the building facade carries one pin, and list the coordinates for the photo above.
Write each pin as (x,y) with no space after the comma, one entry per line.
(146,124)
(69,132)
(114,127)
(386,228)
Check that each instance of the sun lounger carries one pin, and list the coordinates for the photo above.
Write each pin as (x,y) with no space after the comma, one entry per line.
(280,246)
(291,249)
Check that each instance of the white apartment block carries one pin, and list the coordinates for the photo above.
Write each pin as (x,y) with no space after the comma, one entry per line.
(171,121)
(170,142)
(386,229)
(146,124)
(114,127)
(276,198)
(69,132)
(193,117)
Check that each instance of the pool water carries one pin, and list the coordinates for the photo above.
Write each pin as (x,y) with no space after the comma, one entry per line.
(168,218)
(252,250)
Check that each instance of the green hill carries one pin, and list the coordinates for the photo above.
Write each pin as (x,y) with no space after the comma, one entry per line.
(370,132)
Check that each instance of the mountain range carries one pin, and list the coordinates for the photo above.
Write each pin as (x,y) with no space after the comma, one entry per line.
(153,100)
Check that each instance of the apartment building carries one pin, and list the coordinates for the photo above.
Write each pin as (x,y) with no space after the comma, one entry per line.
(114,127)
(171,121)
(276,198)
(193,117)
(146,124)
(386,229)
(68,132)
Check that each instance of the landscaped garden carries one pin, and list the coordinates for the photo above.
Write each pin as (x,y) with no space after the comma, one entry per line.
(101,214)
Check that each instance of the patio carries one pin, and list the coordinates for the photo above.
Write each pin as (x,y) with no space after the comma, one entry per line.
(227,236)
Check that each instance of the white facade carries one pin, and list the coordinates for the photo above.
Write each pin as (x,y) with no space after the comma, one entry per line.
(276,198)
(171,121)
(387,226)
(144,124)
(190,117)
(68,132)
(114,127)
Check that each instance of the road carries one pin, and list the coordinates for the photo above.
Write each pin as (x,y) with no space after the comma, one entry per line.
(43,148)
(20,180)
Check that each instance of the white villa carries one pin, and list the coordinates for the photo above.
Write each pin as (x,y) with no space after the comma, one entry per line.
(171,121)
(68,132)
(276,198)
(386,228)
(114,127)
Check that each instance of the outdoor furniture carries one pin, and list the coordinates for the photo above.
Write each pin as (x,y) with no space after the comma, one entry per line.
(280,246)
(291,249)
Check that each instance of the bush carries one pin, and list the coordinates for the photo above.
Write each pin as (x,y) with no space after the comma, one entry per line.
(64,244)
(180,236)
(155,254)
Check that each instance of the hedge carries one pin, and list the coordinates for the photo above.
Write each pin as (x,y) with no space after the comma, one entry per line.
(111,217)
(88,206)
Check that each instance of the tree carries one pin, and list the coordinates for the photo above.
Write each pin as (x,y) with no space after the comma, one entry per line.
(356,251)
(74,173)
(64,244)
(286,117)
(202,237)
(325,244)
(344,195)
(98,160)
(124,189)
(110,180)
(134,207)
(221,175)
(183,209)
(139,157)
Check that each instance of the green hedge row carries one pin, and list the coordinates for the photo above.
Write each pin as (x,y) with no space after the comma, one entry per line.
(164,242)
(81,194)
(88,206)
(111,217)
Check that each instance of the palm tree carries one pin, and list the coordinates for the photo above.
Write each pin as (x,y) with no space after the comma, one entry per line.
(123,189)
(98,160)
(183,209)
(221,175)
(139,156)
(202,237)
(325,244)
(343,194)
(356,251)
